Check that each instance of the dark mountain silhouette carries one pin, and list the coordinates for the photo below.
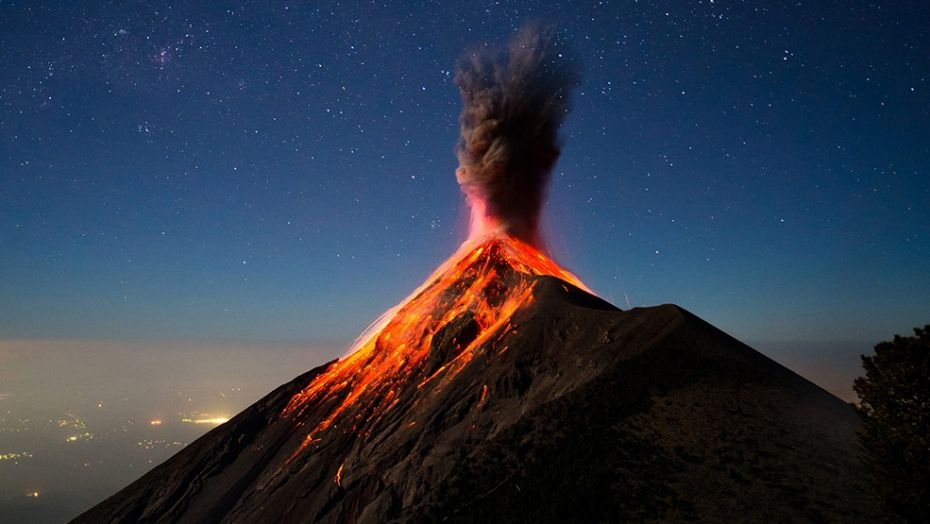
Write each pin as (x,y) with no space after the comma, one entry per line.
(501,392)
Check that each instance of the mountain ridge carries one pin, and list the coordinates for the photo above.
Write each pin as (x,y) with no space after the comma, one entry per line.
(570,410)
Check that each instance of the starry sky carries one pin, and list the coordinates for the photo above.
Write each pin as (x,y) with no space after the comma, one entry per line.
(283,171)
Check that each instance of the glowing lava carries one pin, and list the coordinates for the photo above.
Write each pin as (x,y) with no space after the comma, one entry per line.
(513,101)
(478,289)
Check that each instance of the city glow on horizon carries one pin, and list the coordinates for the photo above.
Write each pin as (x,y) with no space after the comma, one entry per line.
(15,456)
(208,420)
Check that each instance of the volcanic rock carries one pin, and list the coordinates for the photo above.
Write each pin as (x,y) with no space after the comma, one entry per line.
(568,410)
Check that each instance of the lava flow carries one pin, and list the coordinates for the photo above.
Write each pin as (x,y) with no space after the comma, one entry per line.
(477,290)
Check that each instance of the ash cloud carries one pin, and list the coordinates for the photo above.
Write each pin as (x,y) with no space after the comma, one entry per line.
(514,100)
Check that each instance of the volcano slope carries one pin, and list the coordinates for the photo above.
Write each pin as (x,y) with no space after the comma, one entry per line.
(515,396)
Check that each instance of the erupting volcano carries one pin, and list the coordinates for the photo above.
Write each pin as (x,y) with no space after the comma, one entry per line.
(503,390)
(471,298)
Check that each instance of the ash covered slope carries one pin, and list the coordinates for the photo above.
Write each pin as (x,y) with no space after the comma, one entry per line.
(570,411)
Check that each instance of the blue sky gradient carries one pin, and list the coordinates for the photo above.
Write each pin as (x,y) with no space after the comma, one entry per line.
(284,171)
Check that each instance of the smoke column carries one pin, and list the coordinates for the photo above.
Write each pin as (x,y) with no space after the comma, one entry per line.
(514,100)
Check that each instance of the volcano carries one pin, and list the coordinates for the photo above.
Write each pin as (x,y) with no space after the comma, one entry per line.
(502,390)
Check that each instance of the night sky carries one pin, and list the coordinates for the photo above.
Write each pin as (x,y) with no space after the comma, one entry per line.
(266,171)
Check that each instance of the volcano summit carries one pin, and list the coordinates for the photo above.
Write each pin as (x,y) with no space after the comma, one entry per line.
(503,390)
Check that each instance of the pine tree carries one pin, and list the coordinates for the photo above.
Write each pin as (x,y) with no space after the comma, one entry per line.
(894,404)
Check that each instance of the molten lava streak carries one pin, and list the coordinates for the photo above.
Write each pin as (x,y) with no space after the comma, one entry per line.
(480,287)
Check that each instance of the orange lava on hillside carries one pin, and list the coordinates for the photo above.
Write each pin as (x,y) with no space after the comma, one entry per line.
(487,280)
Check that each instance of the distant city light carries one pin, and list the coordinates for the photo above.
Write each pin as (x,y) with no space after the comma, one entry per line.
(155,422)
(15,456)
(154,444)
(32,494)
(206,420)
(72,422)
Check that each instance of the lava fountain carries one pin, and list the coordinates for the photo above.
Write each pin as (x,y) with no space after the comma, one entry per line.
(514,101)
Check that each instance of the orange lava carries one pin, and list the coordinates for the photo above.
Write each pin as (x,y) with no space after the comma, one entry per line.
(487,278)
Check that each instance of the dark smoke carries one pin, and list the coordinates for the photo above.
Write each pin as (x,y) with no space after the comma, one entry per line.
(514,101)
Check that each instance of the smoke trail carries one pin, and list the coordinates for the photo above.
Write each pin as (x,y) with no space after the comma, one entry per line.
(514,101)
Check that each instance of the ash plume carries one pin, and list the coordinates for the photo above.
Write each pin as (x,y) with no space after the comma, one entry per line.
(514,100)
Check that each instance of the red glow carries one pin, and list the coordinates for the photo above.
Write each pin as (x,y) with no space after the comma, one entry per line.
(480,224)
(487,278)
